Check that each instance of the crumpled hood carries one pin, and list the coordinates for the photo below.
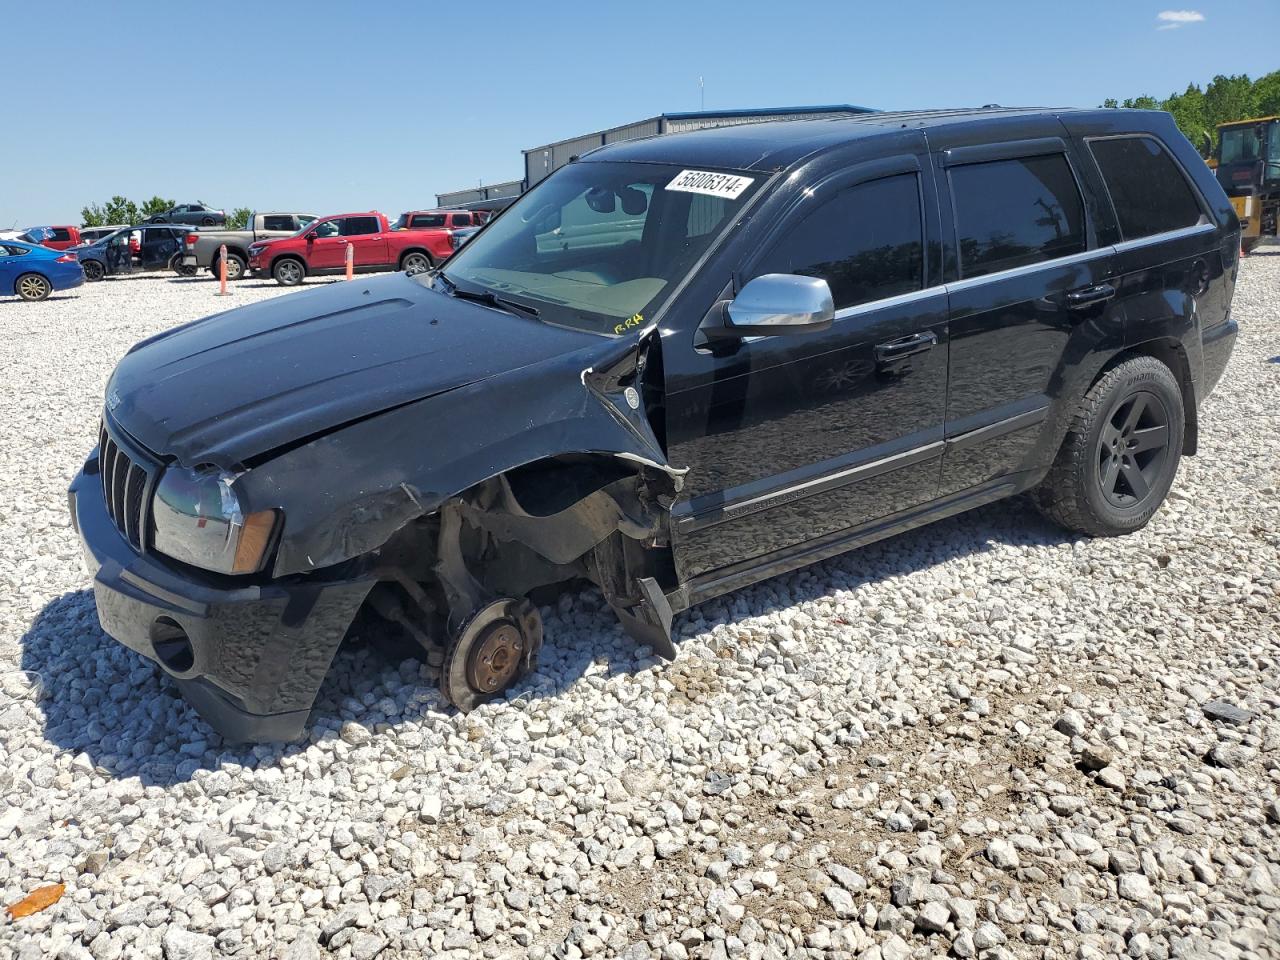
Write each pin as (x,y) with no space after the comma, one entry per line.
(237,385)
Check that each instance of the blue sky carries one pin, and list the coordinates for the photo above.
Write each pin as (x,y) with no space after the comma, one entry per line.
(327,107)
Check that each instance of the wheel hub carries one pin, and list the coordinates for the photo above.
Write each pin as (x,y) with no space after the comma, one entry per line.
(495,657)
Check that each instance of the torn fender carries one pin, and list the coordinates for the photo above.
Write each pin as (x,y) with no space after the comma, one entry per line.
(344,494)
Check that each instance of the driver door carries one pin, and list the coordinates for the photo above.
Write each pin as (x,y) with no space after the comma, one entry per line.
(793,440)
(328,250)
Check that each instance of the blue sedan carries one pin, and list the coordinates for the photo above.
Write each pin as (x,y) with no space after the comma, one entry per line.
(33,272)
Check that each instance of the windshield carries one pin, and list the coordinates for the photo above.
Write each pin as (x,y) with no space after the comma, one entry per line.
(601,245)
(1240,145)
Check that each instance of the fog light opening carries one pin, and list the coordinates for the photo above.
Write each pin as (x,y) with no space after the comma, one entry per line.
(172,646)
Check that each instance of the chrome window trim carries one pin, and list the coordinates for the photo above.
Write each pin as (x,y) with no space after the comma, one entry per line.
(1180,234)
(1029,268)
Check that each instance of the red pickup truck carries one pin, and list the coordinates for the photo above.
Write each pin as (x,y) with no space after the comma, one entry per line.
(321,248)
(62,238)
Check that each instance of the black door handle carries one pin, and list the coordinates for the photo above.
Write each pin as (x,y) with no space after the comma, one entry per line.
(905,346)
(1087,296)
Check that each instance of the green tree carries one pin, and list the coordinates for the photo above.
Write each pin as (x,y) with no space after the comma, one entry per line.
(1198,112)
(1267,91)
(120,210)
(92,216)
(155,206)
(238,219)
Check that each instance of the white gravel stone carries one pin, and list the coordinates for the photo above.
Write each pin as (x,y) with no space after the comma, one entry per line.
(984,731)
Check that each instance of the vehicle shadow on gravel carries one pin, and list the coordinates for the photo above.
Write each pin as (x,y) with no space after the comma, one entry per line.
(19,302)
(126,715)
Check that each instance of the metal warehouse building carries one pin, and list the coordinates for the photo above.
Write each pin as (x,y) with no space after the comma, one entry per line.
(540,162)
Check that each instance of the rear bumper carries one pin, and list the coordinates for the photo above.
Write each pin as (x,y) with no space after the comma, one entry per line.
(68,281)
(257,654)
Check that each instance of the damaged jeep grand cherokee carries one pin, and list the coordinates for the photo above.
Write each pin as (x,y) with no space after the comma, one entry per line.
(675,367)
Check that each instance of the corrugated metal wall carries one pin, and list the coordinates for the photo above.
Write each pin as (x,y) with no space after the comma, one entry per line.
(495,191)
(540,162)
(703,123)
(632,131)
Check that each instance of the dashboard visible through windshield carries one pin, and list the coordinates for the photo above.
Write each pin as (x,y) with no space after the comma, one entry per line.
(599,246)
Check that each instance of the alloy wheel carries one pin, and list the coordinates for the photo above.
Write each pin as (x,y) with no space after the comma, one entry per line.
(1133,449)
(92,270)
(289,272)
(416,263)
(32,287)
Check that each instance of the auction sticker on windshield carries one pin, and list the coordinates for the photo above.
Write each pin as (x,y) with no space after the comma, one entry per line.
(725,185)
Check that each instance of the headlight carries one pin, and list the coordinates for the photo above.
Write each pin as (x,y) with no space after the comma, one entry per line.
(198,520)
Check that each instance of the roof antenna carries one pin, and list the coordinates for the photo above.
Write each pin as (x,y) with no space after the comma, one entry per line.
(702,95)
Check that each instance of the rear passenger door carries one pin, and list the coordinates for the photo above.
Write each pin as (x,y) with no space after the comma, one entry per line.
(159,244)
(1027,277)
(366,239)
(1170,262)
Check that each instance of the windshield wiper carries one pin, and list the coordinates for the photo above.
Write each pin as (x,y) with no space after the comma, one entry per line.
(488,298)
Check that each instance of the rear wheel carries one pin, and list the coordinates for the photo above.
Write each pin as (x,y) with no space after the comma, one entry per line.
(93,270)
(235,267)
(1249,245)
(179,268)
(1120,454)
(32,287)
(207,222)
(415,262)
(288,273)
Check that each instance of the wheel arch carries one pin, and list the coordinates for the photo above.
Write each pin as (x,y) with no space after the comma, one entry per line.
(31,273)
(1173,354)
(289,256)
(404,255)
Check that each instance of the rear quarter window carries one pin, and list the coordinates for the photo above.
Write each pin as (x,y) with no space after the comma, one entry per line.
(278,223)
(1148,190)
(1011,213)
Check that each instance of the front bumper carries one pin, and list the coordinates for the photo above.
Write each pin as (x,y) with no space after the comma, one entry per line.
(258,654)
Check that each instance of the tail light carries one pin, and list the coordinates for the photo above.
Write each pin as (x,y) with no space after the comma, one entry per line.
(191,239)
(67,258)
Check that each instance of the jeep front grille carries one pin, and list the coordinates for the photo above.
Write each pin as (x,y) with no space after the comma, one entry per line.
(126,484)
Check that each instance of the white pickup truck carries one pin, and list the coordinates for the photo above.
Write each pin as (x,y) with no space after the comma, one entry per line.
(200,250)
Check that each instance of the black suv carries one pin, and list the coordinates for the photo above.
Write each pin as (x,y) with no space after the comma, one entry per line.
(673,368)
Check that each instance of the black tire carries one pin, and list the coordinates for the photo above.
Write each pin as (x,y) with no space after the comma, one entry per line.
(175,264)
(235,267)
(207,222)
(288,272)
(1120,454)
(32,287)
(93,270)
(1248,246)
(416,261)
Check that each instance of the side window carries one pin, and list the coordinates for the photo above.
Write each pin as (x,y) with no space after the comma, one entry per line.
(60,233)
(462,219)
(1148,191)
(277,222)
(360,226)
(328,228)
(866,242)
(1010,213)
(424,220)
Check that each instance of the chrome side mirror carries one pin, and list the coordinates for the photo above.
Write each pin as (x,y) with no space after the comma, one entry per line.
(780,303)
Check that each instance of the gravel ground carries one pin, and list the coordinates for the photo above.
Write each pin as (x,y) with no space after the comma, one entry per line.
(984,738)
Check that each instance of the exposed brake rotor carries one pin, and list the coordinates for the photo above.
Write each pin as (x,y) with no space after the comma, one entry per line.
(496,646)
